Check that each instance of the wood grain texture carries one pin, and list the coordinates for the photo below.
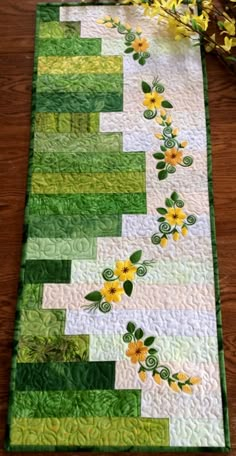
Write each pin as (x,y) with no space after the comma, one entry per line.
(17,25)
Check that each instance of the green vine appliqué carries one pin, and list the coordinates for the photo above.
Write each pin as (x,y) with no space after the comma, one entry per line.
(171,151)
(117,282)
(141,352)
(134,42)
(173,221)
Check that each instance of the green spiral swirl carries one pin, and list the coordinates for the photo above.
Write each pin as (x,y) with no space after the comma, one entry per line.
(170,168)
(156,239)
(146,55)
(159,88)
(164,373)
(127,338)
(169,143)
(105,307)
(130,36)
(165,228)
(141,271)
(121,29)
(108,274)
(187,161)
(151,362)
(167,131)
(149,114)
(179,203)
(191,219)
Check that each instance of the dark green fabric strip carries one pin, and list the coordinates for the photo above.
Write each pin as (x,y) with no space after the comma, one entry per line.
(65,376)
(60,404)
(70,46)
(79,102)
(49,13)
(114,203)
(47,271)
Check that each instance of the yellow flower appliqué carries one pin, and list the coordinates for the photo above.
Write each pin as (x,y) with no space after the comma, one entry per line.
(125,270)
(173,156)
(137,351)
(175,216)
(153,100)
(140,44)
(112,291)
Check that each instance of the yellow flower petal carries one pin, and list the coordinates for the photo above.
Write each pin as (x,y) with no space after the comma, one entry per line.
(100,21)
(175,131)
(182,377)
(184,231)
(184,144)
(163,242)
(174,387)
(175,236)
(195,380)
(138,30)
(143,376)
(187,389)
(108,25)
(159,136)
(157,378)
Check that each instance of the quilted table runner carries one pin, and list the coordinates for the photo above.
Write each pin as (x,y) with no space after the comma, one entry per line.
(118,342)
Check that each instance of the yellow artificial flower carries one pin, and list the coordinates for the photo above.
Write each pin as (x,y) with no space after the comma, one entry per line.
(175,131)
(229,26)
(159,136)
(142,376)
(175,236)
(174,387)
(187,389)
(157,378)
(108,25)
(184,230)
(184,144)
(125,270)
(137,351)
(163,242)
(195,380)
(182,377)
(175,216)
(173,156)
(201,20)
(140,44)
(112,291)
(153,100)
(228,42)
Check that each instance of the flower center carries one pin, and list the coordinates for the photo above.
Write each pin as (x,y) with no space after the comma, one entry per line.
(112,290)
(173,155)
(140,45)
(125,269)
(138,351)
(153,100)
(175,216)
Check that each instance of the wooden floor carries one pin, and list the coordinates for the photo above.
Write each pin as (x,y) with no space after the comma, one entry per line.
(17,18)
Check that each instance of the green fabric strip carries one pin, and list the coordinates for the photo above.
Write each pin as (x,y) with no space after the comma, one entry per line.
(70,46)
(61,249)
(55,183)
(67,122)
(77,226)
(59,30)
(43,271)
(89,431)
(65,376)
(39,349)
(85,83)
(79,102)
(60,404)
(48,13)
(97,142)
(30,296)
(41,322)
(113,203)
(64,162)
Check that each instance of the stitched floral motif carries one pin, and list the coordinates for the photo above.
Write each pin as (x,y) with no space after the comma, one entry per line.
(171,151)
(141,352)
(173,221)
(134,42)
(118,282)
